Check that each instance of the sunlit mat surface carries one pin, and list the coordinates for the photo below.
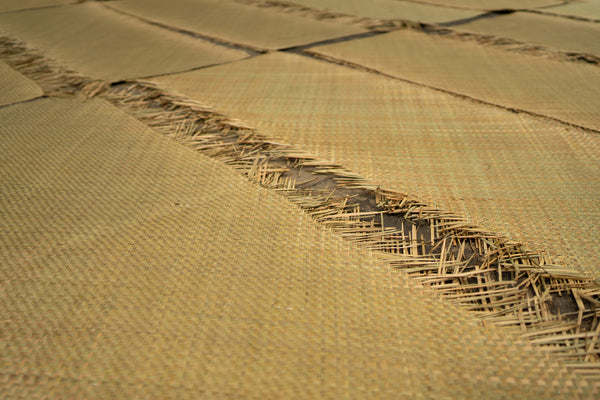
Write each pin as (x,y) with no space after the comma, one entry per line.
(15,87)
(389,9)
(554,32)
(533,180)
(14,5)
(134,267)
(105,44)
(563,90)
(495,4)
(581,8)
(239,23)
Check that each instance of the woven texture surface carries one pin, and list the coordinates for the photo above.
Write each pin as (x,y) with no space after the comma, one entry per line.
(511,173)
(496,4)
(238,23)
(558,33)
(134,267)
(581,8)
(389,9)
(15,5)
(14,87)
(566,91)
(104,44)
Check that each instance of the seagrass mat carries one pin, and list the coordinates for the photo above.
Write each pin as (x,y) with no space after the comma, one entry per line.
(581,8)
(532,180)
(15,87)
(105,44)
(495,4)
(132,267)
(389,9)
(563,90)
(261,28)
(555,32)
(15,5)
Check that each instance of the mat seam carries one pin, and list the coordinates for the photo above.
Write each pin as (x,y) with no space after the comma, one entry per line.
(360,67)
(339,214)
(2,106)
(387,25)
(267,163)
(251,50)
(41,8)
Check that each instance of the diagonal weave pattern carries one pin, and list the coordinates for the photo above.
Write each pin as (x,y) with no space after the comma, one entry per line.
(583,8)
(546,302)
(15,87)
(16,5)
(565,91)
(487,164)
(559,33)
(133,267)
(389,9)
(176,278)
(493,4)
(237,23)
(104,44)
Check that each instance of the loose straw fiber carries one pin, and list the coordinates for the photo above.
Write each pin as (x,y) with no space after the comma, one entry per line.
(102,43)
(15,87)
(15,5)
(244,24)
(566,91)
(531,180)
(134,267)
(558,33)
(390,9)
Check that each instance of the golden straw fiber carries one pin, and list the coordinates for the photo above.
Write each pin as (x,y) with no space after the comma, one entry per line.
(534,181)
(555,32)
(257,27)
(105,44)
(545,301)
(132,266)
(16,5)
(15,87)
(389,9)
(562,90)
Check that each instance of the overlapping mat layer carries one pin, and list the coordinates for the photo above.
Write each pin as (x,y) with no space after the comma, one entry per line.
(535,181)
(104,44)
(134,267)
(244,24)
(562,90)
(495,4)
(390,9)
(15,87)
(16,5)
(589,9)
(554,32)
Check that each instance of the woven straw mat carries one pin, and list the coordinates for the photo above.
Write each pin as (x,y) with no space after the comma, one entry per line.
(389,9)
(105,44)
(535,181)
(15,87)
(562,90)
(496,4)
(582,8)
(15,5)
(133,267)
(238,23)
(555,32)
